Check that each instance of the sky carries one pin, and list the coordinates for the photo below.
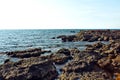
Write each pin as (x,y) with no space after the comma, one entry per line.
(59,14)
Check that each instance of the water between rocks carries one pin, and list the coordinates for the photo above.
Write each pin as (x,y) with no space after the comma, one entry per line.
(12,40)
(80,45)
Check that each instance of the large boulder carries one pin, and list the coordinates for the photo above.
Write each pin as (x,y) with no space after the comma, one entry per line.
(28,69)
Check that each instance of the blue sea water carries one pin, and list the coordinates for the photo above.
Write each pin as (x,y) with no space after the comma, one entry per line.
(11,40)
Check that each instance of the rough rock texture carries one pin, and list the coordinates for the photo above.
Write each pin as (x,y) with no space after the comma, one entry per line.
(98,35)
(33,52)
(67,38)
(61,56)
(28,69)
(95,75)
(97,62)
(92,35)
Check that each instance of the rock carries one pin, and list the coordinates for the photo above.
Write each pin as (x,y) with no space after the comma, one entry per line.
(99,61)
(104,62)
(86,37)
(67,38)
(95,38)
(116,64)
(83,70)
(105,38)
(72,31)
(98,45)
(53,37)
(33,52)
(94,35)
(61,36)
(76,66)
(28,69)
(74,51)
(60,58)
(7,60)
(64,51)
(117,76)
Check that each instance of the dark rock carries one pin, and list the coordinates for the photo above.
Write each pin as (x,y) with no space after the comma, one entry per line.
(64,51)
(61,36)
(53,37)
(72,31)
(67,38)
(7,60)
(28,69)
(74,51)
(33,52)
(95,38)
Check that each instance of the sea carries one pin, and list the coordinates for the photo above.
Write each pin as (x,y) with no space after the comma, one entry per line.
(11,40)
(15,40)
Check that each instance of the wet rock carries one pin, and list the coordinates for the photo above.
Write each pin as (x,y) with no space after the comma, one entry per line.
(61,36)
(98,45)
(72,31)
(7,60)
(33,52)
(63,51)
(93,39)
(53,37)
(28,69)
(65,38)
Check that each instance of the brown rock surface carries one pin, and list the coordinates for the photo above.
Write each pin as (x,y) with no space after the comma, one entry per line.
(28,69)
(32,52)
(99,61)
(92,35)
(61,56)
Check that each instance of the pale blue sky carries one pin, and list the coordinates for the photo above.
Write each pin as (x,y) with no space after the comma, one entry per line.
(43,14)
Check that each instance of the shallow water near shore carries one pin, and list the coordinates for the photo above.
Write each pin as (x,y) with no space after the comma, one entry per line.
(13,40)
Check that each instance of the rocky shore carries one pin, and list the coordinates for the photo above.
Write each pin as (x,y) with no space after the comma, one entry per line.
(98,61)
(92,35)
